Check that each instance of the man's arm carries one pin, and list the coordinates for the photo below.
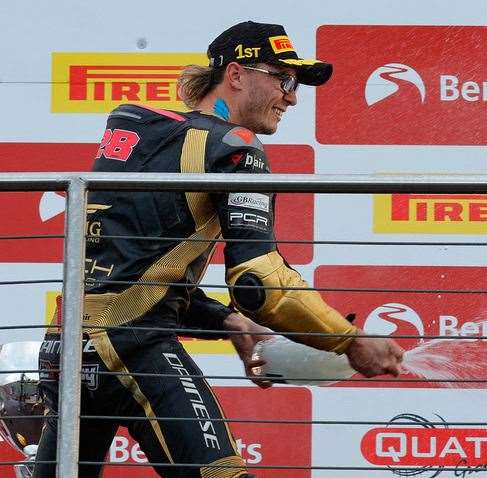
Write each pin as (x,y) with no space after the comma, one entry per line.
(295,309)
(207,313)
(261,282)
(266,289)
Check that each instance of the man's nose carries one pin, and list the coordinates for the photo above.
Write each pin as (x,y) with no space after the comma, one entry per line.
(291,98)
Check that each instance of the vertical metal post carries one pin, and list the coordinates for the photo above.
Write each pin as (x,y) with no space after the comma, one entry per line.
(72,312)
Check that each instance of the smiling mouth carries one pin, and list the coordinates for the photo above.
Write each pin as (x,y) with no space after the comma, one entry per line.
(278,112)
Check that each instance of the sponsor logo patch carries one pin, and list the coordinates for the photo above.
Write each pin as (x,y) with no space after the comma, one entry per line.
(249,200)
(291,208)
(281,44)
(49,372)
(89,376)
(254,163)
(248,220)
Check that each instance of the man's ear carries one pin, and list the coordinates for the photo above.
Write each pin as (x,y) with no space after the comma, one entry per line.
(233,74)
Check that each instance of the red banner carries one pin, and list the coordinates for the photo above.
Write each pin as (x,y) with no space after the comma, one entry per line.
(402,85)
(426,447)
(442,302)
(260,444)
(43,213)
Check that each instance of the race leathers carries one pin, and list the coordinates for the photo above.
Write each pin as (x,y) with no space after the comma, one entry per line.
(262,284)
(148,277)
(141,140)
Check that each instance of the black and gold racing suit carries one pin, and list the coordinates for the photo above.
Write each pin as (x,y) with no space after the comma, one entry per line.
(140,139)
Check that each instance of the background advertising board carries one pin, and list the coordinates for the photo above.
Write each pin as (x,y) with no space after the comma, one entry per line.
(418,301)
(260,444)
(408,95)
(430,213)
(417,433)
(98,82)
(395,84)
(42,213)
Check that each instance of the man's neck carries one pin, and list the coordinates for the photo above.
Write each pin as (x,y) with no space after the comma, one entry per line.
(216,105)
(220,109)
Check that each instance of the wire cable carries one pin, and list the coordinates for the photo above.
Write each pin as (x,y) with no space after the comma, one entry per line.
(190,285)
(185,332)
(250,241)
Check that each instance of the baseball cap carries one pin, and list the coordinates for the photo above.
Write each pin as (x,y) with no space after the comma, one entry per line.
(250,42)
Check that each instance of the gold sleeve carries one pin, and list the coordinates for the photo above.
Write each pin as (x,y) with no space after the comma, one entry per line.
(288,310)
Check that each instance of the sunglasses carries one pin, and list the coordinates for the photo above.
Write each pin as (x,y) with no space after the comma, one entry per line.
(289,83)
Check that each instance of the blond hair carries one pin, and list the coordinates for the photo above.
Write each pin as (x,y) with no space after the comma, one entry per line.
(196,81)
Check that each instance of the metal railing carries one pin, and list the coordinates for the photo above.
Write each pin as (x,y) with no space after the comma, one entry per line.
(77,184)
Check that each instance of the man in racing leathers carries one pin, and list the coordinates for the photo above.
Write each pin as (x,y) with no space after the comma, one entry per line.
(137,286)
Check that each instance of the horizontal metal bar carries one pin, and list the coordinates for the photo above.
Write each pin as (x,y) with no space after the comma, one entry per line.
(27,417)
(184,332)
(32,326)
(273,241)
(286,182)
(91,282)
(264,377)
(250,241)
(301,379)
(255,421)
(190,332)
(30,281)
(282,421)
(320,183)
(26,371)
(35,181)
(32,236)
(289,467)
(265,287)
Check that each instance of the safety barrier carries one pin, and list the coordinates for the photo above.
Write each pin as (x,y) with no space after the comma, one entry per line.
(77,184)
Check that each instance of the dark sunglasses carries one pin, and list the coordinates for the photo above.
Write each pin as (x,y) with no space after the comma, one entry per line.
(289,83)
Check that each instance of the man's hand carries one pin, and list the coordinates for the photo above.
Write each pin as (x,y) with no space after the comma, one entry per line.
(244,344)
(375,356)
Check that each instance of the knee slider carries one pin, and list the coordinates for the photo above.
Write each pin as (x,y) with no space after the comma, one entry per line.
(251,298)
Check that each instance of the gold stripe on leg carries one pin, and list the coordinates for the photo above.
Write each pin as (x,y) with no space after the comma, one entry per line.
(217,472)
(114,363)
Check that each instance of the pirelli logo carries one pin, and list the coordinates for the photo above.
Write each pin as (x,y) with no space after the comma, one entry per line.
(281,44)
(430,214)
(98,82)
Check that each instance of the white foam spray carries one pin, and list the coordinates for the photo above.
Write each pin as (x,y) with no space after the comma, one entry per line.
(450,359)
